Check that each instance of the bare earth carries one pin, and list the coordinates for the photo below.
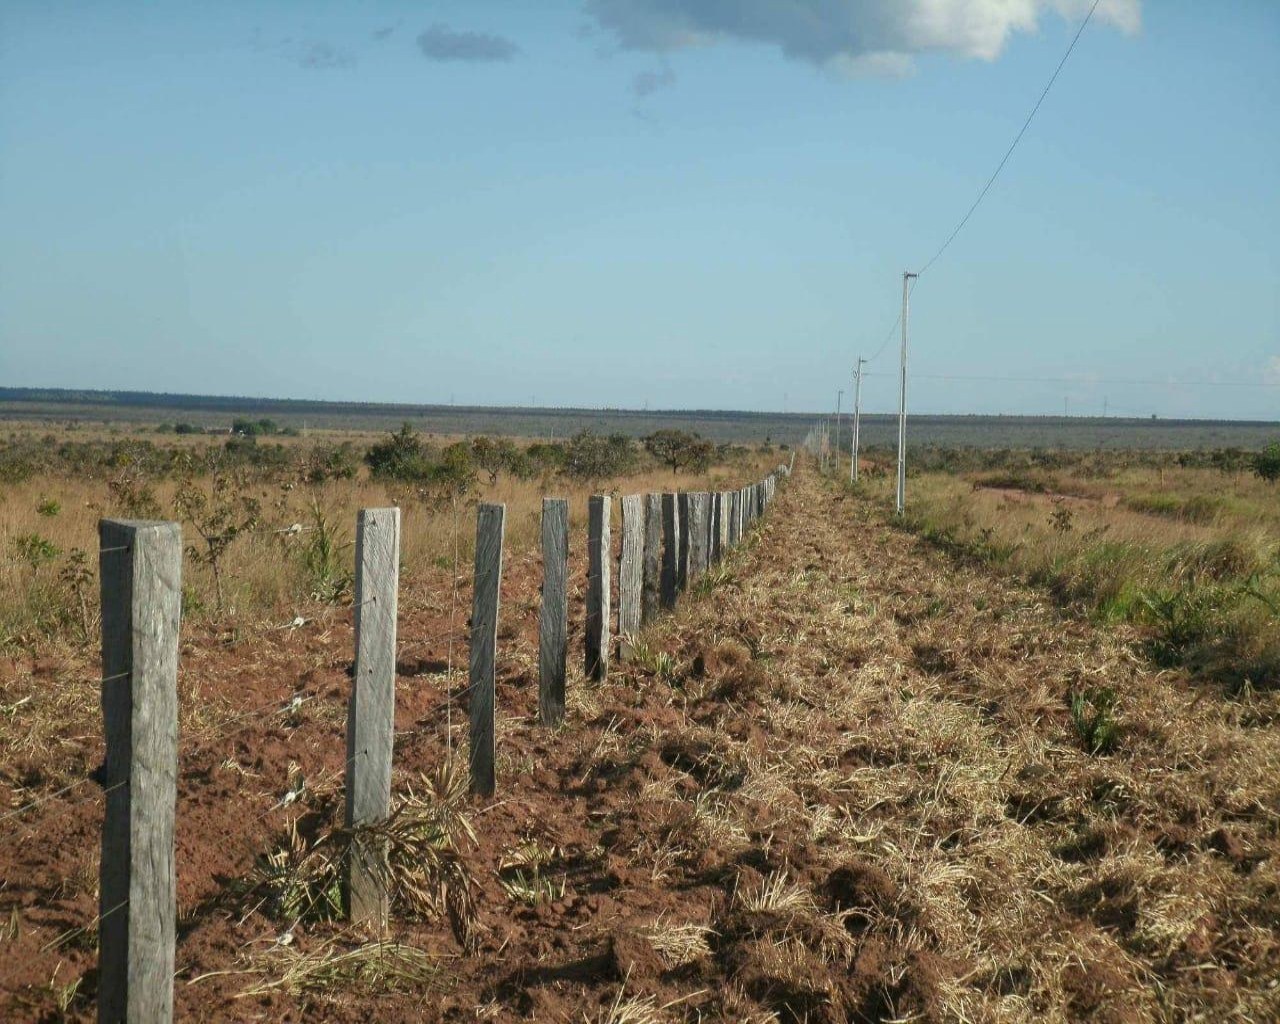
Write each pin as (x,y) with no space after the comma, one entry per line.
(853,793)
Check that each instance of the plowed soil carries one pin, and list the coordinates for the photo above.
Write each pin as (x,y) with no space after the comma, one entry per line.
(841,783)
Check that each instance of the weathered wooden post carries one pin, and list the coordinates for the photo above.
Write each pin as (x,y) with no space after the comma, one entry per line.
(140,569)
(490,522)
(599,555)
(371,710)
(630,573)
(651,586)
(724,517)
(682,580)
(698,535)
(670,549)
(735,517)
(553,619)
(713,546)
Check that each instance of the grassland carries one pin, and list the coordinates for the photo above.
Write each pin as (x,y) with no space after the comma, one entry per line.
(1186,554)
(289,535)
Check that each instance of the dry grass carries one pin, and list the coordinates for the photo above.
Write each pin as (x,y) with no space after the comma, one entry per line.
(1190,556)
(922,792)
(270,571)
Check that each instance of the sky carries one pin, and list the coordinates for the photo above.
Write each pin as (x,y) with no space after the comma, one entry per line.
(645,203)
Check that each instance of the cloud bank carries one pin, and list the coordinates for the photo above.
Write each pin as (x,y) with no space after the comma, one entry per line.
(857,36)
(442,43)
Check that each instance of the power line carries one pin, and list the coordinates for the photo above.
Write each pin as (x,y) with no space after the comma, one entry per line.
(1089,380)
(897,320)
(1017,138)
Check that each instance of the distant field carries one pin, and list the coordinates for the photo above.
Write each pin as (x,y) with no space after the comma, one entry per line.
(53,409)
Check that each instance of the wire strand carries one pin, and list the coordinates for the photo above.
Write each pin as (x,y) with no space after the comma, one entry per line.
(1013,145)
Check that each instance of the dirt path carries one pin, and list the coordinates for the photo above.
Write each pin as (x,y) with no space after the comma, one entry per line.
(842,784)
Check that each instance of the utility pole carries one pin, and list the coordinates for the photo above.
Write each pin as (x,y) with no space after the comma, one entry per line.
(902,400)
(839,400)
(857,412)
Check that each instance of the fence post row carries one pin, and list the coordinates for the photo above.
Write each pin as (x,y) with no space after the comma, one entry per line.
(490,521)
(599,551)
(630,573)
(140,569)
(668,539)
(371,709)
(553,617)
(652,574)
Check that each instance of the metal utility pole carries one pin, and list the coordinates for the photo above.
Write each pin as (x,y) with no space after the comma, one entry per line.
(902,400)
(857,412)
(839,399)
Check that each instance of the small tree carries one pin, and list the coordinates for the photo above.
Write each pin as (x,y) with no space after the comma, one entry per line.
(218,515)
(679,449)
(1266,464)
(494,456)
(451,479)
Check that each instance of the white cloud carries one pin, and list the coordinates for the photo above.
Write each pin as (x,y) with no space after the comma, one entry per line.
(858,36)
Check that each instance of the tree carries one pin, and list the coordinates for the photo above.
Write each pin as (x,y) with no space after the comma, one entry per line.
(1266,464)
(493,456)
(679,449)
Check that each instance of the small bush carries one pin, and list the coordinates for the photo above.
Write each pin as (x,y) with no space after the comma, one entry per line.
(1093,715)
(1266,464)
(591,457)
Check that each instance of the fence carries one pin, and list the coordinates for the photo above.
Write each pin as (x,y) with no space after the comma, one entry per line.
(669,542)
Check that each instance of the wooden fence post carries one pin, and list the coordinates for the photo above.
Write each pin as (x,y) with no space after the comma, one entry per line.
(630,573)
(682,580)
(670,549)
(724,516)
(599,555)
(553,619)
(651,585)
(371,709)
(697,535)
(140,569)
(735,526)
(713,528)
(490,522)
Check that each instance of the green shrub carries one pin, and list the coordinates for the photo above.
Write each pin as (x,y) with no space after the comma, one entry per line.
(591,457)
(402,456)
(35,550)
(1266,464)
(1093,715)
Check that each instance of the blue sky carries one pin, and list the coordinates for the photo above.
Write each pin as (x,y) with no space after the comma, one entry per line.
(672,203)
